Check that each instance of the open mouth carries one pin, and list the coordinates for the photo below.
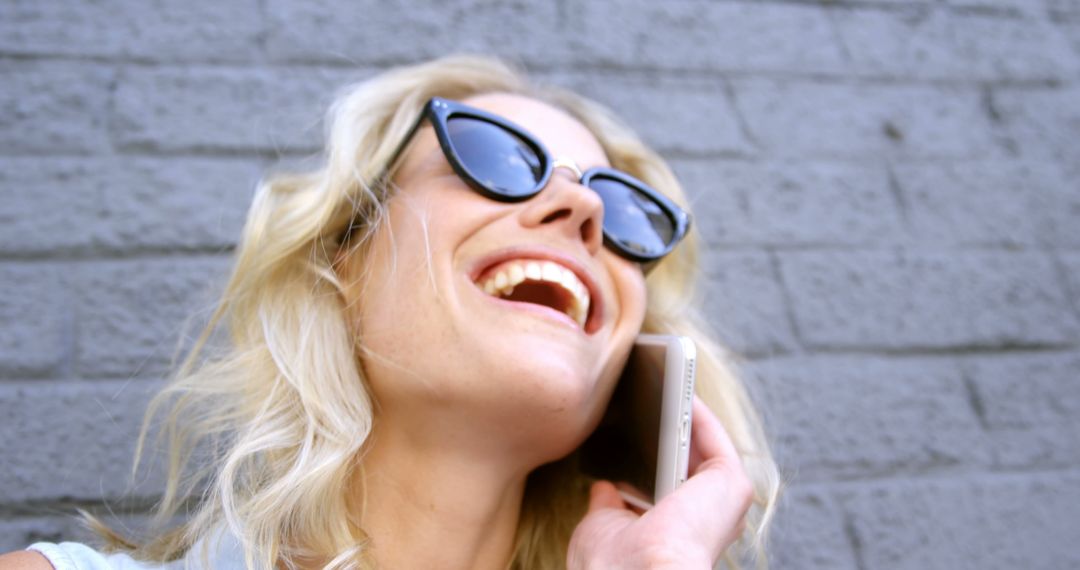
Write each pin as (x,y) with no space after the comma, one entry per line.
(539,282)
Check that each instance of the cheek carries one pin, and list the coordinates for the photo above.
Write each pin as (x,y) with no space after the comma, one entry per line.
(633,296)
(391,284)
(402,309)
(631,293)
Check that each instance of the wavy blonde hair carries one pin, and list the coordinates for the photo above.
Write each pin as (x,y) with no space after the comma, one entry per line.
(265,434)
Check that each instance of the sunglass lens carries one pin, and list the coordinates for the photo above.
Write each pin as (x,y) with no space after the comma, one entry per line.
(634,219)
(496,157)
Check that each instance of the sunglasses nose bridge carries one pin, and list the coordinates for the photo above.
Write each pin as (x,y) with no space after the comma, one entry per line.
(569,164)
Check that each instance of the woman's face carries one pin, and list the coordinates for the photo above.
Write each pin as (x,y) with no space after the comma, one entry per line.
(441,353)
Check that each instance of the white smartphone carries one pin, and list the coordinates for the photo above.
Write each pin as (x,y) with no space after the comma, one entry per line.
(644,437)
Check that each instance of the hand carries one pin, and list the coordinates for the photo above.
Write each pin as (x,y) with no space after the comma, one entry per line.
(689,528)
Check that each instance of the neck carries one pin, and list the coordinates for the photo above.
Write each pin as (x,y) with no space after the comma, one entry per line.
(429,504)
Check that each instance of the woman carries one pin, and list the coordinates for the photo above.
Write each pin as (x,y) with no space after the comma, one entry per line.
(388,400)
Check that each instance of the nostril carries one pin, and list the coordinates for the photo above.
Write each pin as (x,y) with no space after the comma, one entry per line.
(588,230)
(558,214)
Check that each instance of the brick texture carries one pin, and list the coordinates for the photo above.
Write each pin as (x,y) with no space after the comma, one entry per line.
(54,108)
(1025,403)
(776,203)
(989,203)
(860,121)
(698,118)
(35,321)
(745,302)
(992,521)
(84,205)
(156,30)
(71,440)
(943,45)
(886,192)
(863,416)
(699,34)
(181,109)
(905,299)
(810,533)
(132,314)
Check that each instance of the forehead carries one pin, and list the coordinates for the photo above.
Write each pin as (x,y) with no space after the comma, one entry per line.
(562,134)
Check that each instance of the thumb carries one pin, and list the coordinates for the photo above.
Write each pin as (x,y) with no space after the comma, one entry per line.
(604,495)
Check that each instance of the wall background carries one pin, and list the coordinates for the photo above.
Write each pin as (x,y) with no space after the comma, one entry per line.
(888,188)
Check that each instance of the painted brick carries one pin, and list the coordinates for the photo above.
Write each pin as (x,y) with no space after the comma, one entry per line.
(197,29)
(1002,7)
(1025,520)
(791,202)
(1002,202)
(1063,10)
(1071,266)
(117,204)
(944,45)
(895,4)
(1030,406)
(63,524)
(18,533)
(370,31)
(670,114)
(1040,121)
(841,119)
(56,108)
(839,417)
(71,440)
(809,533)
(974,108)
(744,302)
(1070,30)
(926,300)
(705,35)
(35,319)
(719,210)
(131,314)
(213,109)
(1063,227)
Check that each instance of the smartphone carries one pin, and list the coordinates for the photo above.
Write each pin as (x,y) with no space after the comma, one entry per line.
(644,436)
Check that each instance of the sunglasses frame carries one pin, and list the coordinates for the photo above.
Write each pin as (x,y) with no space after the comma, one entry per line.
(439,111)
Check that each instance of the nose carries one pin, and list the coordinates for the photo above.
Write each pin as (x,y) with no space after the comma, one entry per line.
(567,207)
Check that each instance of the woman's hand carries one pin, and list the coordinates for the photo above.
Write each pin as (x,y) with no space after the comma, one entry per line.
(689,528)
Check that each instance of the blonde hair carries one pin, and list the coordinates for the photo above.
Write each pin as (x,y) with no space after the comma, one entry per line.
(264,436)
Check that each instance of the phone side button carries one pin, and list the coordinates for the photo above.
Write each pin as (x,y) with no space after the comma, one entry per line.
(684,430)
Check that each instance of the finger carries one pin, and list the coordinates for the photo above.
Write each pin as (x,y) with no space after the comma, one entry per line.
(604,495)
(709,441)
(712,504)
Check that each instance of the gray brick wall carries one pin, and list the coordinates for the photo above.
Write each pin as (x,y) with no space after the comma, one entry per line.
(887,188)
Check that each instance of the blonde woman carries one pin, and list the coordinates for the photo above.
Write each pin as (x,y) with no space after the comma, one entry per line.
(381,405)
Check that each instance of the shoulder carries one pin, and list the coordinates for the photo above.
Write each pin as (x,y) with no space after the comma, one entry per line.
(220,550)
(69,556)
(24,560)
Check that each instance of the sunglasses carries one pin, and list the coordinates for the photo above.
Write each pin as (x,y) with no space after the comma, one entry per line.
(506,163)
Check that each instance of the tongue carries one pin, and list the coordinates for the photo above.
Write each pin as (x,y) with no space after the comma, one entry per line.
(541,293)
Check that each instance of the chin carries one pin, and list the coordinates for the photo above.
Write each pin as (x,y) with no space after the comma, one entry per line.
(552,408)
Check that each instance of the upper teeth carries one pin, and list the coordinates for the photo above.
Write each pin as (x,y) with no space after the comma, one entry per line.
(512,273)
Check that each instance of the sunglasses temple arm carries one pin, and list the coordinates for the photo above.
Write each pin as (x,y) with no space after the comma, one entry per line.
(400,150)
(381,180)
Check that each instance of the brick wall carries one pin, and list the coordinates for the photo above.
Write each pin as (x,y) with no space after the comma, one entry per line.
(888,190)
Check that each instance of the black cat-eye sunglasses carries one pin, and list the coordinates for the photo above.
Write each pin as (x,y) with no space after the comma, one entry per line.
(504,162)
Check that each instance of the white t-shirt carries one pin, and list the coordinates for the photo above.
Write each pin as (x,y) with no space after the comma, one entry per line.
(224,554)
